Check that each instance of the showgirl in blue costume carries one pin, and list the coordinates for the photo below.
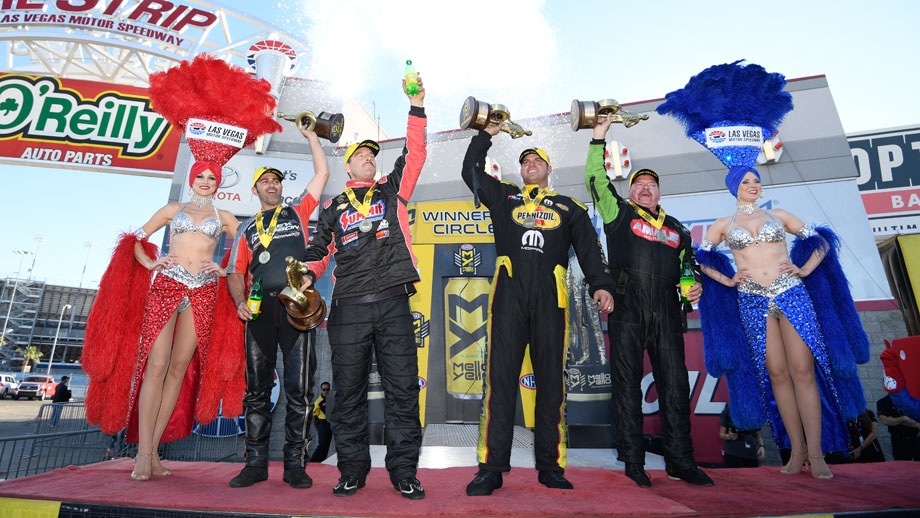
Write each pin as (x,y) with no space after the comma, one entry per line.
(783,330)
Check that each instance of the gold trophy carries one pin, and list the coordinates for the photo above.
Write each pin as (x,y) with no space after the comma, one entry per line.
(477,115)
(327,125)
(306,309)
(586,113)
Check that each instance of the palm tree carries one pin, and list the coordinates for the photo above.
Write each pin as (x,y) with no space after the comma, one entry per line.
(30,354)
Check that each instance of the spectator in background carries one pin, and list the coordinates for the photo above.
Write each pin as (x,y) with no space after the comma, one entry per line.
(864,445)
(323,430)
(905,432)
(743,448)
(62,394)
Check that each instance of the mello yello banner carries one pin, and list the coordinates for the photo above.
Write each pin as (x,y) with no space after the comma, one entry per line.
(83,125)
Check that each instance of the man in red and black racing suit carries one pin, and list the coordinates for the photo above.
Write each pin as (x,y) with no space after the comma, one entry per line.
(534,228)
(366,228)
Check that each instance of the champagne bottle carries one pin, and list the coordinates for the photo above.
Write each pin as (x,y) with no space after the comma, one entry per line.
(687,281)
(255,298)
(411,78)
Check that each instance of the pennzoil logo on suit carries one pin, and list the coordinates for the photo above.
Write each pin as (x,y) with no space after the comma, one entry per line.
(546,218)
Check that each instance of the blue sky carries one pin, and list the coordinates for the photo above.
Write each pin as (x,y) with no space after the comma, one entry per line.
(533,56)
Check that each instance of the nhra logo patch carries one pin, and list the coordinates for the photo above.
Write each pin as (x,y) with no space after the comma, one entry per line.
(529,382)
(422,383)
(421,328)
(467,258)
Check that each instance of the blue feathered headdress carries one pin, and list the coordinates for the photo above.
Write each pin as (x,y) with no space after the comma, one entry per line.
(730,95)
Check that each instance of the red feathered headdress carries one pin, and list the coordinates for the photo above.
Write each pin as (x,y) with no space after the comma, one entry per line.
(209,90)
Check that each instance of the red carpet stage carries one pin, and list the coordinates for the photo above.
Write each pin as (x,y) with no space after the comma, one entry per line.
(199,489)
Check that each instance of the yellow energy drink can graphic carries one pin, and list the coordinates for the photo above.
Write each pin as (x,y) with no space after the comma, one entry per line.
(466,318)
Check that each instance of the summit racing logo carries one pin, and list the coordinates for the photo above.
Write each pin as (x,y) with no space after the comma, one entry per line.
(42,109)
(351,218)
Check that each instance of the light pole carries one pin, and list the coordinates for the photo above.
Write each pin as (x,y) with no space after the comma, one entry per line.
(39,239)
(54,345)
(89,248)
(22,255)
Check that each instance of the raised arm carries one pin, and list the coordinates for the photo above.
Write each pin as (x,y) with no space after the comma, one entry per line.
(408,166)
(474,164)
(320,166)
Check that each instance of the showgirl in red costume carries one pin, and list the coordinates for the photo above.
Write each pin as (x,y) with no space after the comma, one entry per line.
(161,355)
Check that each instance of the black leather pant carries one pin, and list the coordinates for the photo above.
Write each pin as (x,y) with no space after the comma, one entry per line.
(263,338)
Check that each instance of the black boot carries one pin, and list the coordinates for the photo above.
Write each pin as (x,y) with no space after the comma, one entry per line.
(636,473)
(484,483)
(249,476)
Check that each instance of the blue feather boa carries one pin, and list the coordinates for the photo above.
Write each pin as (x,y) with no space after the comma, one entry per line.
(907,404)
(847,343)
(725,345)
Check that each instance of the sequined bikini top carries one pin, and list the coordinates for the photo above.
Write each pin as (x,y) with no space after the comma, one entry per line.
(770,232)
(181,224)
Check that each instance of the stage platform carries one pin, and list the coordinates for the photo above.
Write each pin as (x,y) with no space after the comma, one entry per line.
(601,489)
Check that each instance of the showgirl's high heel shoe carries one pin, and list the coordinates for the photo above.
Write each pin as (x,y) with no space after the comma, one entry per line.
(819,468)
(796,463)
(140,477)
(157,469)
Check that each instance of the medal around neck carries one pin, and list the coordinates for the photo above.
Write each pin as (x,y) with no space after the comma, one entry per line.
(265,257)
(366,225)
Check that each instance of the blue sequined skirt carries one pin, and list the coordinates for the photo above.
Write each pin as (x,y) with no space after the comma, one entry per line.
(787,296)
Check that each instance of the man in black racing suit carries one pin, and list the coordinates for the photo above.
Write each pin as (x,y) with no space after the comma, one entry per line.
(366,228)
(534,228)
(646,248)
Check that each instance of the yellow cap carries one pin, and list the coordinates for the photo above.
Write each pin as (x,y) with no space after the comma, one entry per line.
(266,169)
(539,151)
(369,144)
(641,172)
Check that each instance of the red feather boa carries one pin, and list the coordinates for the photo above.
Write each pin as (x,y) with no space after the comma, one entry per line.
(113,332)
(113,335)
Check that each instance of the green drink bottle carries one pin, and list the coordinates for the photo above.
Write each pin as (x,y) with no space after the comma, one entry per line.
(411,78)
(255,298)
(687,281)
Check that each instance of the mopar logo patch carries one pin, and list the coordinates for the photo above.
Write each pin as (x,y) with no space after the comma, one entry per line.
(528,382)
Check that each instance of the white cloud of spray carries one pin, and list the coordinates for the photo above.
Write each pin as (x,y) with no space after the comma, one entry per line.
(499,52)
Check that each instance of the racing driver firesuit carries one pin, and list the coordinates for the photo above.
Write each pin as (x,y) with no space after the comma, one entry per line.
(374,276)
(645,265)
(529,304)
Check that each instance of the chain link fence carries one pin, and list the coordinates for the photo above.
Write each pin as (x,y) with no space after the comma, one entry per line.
(62,438)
